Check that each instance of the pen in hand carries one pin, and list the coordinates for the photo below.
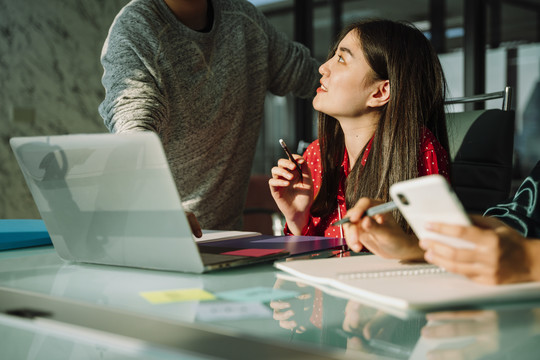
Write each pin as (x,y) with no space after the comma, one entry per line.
(379,209)
(289,154)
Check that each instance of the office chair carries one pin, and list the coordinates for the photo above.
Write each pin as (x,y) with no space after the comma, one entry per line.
(481,151)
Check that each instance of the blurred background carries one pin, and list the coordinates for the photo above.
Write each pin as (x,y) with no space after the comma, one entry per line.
(50,74)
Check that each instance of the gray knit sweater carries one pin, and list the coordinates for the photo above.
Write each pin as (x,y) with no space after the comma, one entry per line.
(203,93)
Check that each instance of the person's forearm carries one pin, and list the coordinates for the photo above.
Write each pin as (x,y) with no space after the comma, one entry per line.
(533,252)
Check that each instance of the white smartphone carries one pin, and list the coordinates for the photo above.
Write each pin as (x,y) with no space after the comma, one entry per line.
(430,199)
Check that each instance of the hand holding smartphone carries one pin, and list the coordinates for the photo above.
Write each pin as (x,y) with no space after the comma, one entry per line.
(430,199)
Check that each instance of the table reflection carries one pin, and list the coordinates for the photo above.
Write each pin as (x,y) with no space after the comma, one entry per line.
(376,332)
(297,314)
(325,317)
(504,333)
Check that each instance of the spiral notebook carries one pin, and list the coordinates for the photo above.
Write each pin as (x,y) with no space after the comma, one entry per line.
(406,286)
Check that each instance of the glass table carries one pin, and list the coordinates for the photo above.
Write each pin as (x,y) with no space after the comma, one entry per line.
(147,314)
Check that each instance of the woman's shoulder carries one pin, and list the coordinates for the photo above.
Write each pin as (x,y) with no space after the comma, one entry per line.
(429,142)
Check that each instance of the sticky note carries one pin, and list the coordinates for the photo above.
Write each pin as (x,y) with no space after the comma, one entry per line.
(219,311)
(253,252)
(178,295)
(257,294)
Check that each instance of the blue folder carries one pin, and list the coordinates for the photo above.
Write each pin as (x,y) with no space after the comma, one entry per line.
(20,233)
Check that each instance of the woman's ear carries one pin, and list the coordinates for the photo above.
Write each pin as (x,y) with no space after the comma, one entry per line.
(380,95)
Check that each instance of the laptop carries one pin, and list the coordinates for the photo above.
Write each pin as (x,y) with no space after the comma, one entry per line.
(111,199)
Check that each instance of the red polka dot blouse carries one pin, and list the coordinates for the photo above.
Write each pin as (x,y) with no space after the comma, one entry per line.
(434,160)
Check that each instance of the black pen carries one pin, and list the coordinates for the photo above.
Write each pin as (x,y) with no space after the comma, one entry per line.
(379,209)
(289,154)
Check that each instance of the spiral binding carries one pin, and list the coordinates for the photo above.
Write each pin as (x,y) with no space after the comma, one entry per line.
(412,270)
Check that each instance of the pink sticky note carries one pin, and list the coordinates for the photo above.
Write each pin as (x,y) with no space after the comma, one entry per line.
(253,252)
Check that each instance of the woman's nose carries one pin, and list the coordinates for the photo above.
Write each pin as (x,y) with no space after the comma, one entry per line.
(323,69)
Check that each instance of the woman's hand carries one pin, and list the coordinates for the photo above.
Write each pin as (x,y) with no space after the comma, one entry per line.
(380,234)
(292,194)
(501,255)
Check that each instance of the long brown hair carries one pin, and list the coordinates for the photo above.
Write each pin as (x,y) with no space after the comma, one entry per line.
(400,53)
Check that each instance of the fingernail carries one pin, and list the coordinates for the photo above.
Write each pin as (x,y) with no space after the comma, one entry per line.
(428,256)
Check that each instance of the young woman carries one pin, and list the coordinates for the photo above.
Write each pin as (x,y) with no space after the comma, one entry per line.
(381,120)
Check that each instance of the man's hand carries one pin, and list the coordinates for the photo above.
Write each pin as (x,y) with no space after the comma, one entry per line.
(194,224)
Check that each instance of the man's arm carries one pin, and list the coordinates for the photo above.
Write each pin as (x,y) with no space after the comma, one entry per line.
(291,66)
(132,100)
(522,212)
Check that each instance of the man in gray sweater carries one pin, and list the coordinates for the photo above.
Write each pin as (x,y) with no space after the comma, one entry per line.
(196,72)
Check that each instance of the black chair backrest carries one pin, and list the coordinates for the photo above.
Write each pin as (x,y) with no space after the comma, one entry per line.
(481,151)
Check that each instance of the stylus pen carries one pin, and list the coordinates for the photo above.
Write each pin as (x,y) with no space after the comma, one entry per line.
(289,154)
(379,209)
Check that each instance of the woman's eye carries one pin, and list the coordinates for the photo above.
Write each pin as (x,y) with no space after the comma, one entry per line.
(340,59)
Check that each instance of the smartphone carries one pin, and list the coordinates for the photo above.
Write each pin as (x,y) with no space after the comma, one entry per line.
(430,199)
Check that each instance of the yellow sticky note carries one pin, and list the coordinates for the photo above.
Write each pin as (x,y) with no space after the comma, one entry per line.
(177,295)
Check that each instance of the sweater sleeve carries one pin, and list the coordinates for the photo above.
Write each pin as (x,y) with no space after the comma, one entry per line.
(291,66)
(133,100)
(522,212)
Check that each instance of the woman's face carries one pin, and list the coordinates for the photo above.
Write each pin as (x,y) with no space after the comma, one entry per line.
(346,81)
